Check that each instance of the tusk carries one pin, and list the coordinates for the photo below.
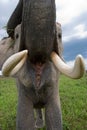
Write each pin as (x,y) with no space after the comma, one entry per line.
(75,72)
(14,63)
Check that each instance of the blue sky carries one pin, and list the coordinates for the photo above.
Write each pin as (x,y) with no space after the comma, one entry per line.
(70,13)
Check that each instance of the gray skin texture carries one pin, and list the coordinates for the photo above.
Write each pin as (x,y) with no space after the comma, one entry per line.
(46,95)
(10,47)
(37,80)
(27,90)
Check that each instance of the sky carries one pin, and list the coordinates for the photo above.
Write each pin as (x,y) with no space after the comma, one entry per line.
(70,13)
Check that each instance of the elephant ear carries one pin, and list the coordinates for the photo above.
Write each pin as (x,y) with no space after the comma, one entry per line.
(9,46)
(58,46)
(5,49)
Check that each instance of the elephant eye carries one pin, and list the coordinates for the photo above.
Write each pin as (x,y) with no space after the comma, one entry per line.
(59,36)
(17,35)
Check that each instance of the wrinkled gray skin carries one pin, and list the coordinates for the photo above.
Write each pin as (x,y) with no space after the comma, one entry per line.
(37,80)
(8,46)
(12,46)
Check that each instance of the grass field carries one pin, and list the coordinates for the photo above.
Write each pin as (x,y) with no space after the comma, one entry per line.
(73,95)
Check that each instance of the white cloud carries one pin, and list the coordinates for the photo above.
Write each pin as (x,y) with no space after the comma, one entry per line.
(7,1)
(80,29)
(78,32)
(67,10)
(4,1)
(2,33)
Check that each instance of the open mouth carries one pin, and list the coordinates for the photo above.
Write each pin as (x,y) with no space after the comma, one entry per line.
(38,62)
(39,58)
(16,61)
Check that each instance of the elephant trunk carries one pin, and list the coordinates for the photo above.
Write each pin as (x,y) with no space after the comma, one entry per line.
(38,28)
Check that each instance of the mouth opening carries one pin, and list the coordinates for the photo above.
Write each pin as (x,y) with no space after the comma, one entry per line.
(38,58)
(38,62)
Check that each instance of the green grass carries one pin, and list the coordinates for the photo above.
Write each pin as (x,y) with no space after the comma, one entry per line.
(73,95)
(8,101)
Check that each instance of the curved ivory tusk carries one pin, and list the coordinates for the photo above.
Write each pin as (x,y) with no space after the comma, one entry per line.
(75,72)
(14,63)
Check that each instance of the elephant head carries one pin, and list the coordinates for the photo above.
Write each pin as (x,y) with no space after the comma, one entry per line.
(9,46)
(16,61)
(40,36)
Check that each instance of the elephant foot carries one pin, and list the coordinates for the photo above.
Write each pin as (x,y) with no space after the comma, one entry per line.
(39,123)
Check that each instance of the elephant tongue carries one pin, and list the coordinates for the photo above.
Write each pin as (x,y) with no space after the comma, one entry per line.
(38,73)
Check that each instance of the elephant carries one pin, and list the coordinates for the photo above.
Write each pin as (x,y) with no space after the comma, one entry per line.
(37,62)
(11,46)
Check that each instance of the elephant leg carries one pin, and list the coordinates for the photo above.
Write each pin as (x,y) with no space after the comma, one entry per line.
(39,119)
(25,113)
(53,116)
